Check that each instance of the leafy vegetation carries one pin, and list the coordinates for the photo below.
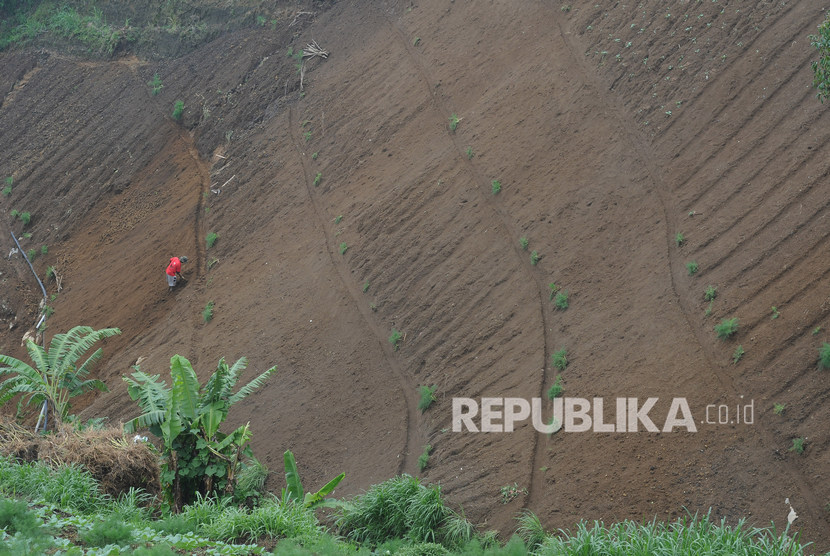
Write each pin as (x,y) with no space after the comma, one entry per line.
(775,313)
(155,85)
(556,388)
(679,239)
(57,375)
(496,187)
(197,458)
(426,396)
(343,248)
(534,257)
(726,328)
(294,487)
(178,109)
(691,268)
(736,356)
(824,356)
(798,445)
(821,67)
(559,359)
(469,152)
(394,338)
(318,178)
(561,300)
(207,312)
(779,408)
(454,119)
(210,239)
(523,243)
(710,294)
(511,492)
(423,459)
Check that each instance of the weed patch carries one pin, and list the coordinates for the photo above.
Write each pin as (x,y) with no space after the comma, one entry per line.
(726,328)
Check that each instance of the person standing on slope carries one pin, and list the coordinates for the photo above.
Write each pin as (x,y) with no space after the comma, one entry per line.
(174,271)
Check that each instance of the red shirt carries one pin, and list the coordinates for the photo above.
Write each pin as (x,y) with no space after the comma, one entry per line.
(174,266)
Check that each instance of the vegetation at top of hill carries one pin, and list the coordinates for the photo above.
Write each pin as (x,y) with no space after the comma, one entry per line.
(152,28)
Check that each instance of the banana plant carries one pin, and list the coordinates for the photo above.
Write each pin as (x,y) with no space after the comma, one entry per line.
(57,375)
(186,416)
(294,486)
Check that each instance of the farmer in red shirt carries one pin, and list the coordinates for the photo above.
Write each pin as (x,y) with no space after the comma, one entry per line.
(174,271)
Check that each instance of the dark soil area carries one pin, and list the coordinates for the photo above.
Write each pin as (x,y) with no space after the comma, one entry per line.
(611,129)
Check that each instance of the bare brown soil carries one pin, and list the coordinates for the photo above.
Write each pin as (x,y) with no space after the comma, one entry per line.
(611,128)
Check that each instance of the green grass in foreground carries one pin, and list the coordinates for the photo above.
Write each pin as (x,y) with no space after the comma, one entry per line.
(62,511)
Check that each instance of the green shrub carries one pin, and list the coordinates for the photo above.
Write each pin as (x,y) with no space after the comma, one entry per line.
(559,359)
(824,356)
(726,328)
(427,396)
(178,108)
(556,389)
(210,239)
(25,217)
(691,268)
(423,459)
(679,238)
(111,530)
(798,446)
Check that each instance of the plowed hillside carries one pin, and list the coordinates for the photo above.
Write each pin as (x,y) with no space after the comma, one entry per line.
(350,209)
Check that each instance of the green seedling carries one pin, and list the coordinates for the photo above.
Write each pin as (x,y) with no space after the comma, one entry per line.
(779,408)
(207,312)
(556,389)
(454,120)
(210,239)
(343,248)
(691,268)
(178,108)
(559,359)
(394,338)
(534,258)
(470,153)
(553,290)
(523,242)
(365,286)
(816,330)
(496,186)
(739,352)
(710,293)
(423,459)
(728,327)
(775,312)
(317,178)
(155,85)
(426,396)
(561,300)
(798,445)
(338,218)
(314,155)
(679,239)
(824,356)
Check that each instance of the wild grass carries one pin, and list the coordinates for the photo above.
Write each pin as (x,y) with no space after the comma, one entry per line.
(556,388)
(111,530)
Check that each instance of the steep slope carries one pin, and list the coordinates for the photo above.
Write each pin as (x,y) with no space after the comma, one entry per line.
(350,209)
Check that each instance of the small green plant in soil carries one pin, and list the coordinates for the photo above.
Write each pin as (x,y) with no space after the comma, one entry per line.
(710,294)
(561,300)
(212,262)
(679,239)
(553,290)
(210,239)
(798,445)
(25,217)
(423,459)
(317,178)
(496,186)
(454,119)
(824,356)
(708,310)
(7,190)
(307,136)
(556,388)
(338,218)
(559,359)
(50,272)
(534,258)
(816,330)
(726,328)
(14,213)
(314,155)
(394,338)
(343,248)
(178,108)
(511,492)
(523,243)
(426,396)
(691,268)
(469,152)
(416,41)
(736,356)
(207,312)
(821,67)
(365,286)
(775,312)
(44,249)
(155,85)
(779,408)
(32,254)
